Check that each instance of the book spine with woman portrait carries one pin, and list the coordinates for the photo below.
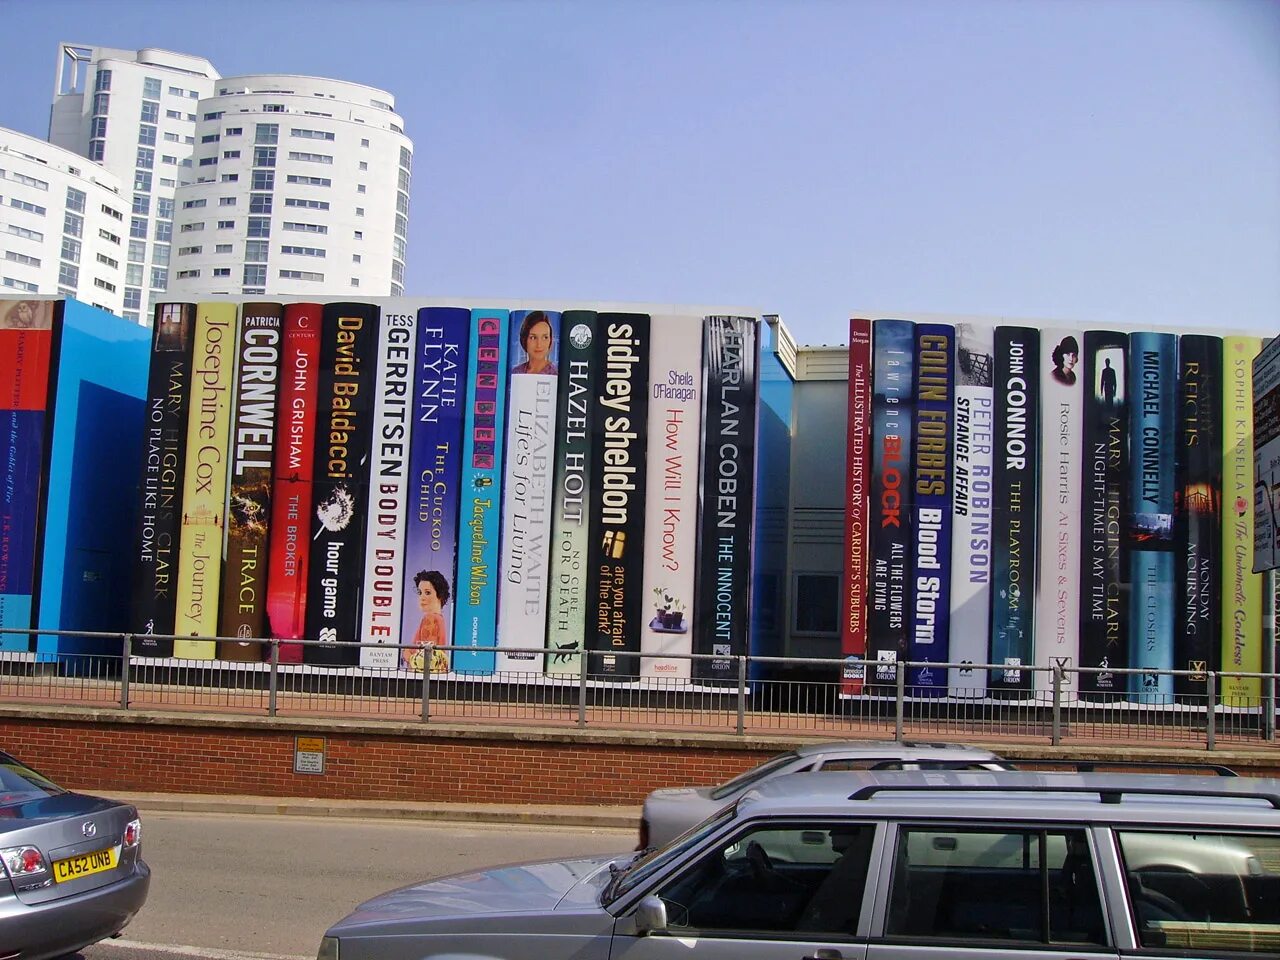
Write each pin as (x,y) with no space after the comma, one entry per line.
(1017,461)
(571,581)
(616,560)
(525,550)
(204,483)
(388,488)
(346,405)
(288,550)
(476,611)
(26,345)
(248,510)
(1057,631)
(1104,492)
(435,471)
(1198,524)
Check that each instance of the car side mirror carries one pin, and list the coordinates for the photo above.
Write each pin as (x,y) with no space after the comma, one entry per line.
(650,916)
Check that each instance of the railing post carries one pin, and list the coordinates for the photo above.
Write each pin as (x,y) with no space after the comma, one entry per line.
(582,688)
(900,675)
(1056,737)
(273,677)
(427,657)
(1211,708)
(742,695)
(126,652)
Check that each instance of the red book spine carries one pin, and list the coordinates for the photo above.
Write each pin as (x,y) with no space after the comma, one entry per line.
(853,631)
(292,478)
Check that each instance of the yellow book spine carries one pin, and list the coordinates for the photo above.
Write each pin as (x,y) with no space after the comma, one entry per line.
(1241,587)
(204,487)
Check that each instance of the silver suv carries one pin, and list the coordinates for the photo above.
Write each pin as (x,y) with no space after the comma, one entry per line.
(670,811)
(885,866)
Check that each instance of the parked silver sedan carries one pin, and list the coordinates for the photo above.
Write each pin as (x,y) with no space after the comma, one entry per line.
(671,811)
(71,867)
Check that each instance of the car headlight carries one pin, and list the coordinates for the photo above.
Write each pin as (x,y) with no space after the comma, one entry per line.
(328,949)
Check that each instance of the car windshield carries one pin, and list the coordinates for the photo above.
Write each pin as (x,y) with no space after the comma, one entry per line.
(754,775)
(654,861)
(19,784)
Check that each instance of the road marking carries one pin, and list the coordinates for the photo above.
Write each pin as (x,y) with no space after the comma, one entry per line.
(205,953)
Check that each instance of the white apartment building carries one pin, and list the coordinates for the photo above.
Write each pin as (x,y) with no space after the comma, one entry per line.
(63,222)
(134,112)
(258,185)
(301,189)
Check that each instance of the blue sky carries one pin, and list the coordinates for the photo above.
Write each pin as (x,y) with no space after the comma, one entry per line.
(1074,159)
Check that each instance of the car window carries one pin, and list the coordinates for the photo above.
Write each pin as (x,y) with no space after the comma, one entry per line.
(1204,890)
(782,880)
(656,860)
(19,784)
(1023,885)
(754,775)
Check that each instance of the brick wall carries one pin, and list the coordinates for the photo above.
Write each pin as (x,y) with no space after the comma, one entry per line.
(259,762)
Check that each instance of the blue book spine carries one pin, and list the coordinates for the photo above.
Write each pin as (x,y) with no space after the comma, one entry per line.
(23,456)
(1152,482)
(476,615)
(435,473)
(929,638)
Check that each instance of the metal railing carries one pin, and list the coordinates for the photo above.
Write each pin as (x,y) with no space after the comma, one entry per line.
(757,695)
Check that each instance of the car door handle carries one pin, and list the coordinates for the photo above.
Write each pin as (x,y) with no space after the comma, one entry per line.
(825,953)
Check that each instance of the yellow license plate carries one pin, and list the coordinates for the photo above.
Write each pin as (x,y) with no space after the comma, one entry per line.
(83,865)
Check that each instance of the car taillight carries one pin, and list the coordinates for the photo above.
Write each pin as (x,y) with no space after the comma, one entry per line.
(22,862)
(133,833)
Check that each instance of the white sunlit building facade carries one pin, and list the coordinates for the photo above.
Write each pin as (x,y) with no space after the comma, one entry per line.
(134,112)
(301,188)
(258,185)
(63,223)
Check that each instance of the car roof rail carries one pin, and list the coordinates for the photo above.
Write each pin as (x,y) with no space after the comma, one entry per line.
(1117,766)
(1106,794)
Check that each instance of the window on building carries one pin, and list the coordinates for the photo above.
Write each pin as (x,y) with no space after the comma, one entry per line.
(146,158)
(215,115)
(108,236)
(303,251)
(168,182)
(164,231)
(147,135)
(310,134)
(273,108)
(226,201)
(267,133)
(364,142)
(98,127)
(73,224)
(69,275)
(255,275)
(195,227)
(397,272)
(233,131)
(175,91)
(26,206)
(173,114)
(137,251)
(188,274)
(168,159)
(103,80)
(364,165)
(403,181)
(150,112)
(189,251)
(259,203)
(308,181)
(357,234)
(133,274)
(223,248)
(26,234)
(138,227)
(264,156)
(308,204)
(222,271)
(406,158)
(97,151)
(259,226)
(108,261)
(160,255)
(211,138)
(304,157)
(208,161)
(263,180)
(230,177)
(113,213)
(230,154)
(151,88)
(361,188)
(159,278)
(164,207)
(70,250)
(13,256)
(300,227)
(29,181)
(192,204)
(226,224)
(255,251)
(356,258)
(76,199)
(132,298)
(355,281)
(104,285)
(142,181)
